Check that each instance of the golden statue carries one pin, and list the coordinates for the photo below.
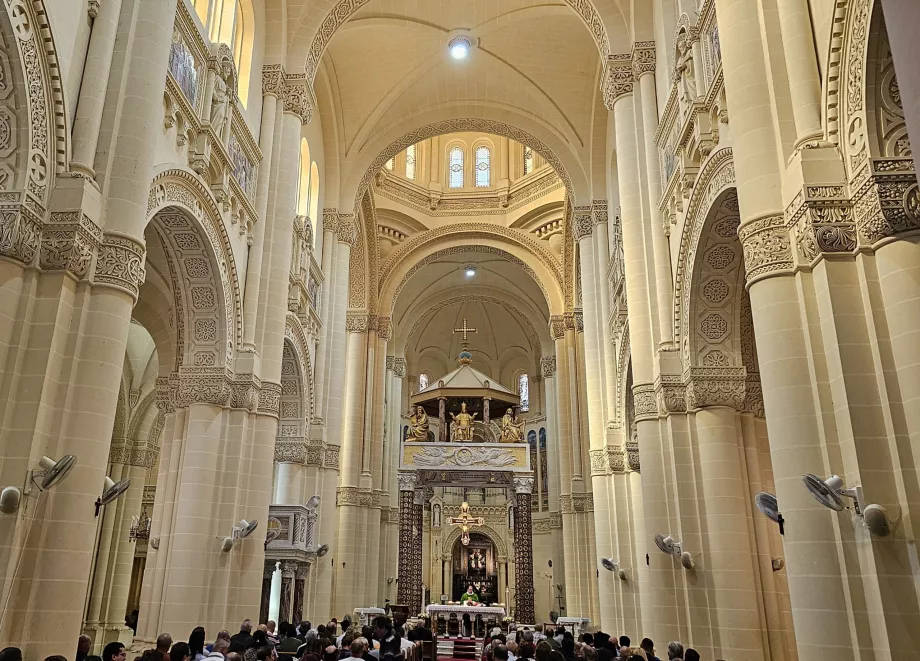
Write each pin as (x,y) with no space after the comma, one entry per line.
(512,430)
(418,426)
(461,429)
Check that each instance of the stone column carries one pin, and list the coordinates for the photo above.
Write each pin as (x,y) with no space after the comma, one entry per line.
(377,411)
(900,16)
(418,515)
(288,570)
(93,85)
(801,68)
(272,89)
(405,593)
(300,580)
(659,611)
(523,552)
(274,597)
(729,555)
(442,419)
(813,560)
(548,369)
(643,57)
(485,411)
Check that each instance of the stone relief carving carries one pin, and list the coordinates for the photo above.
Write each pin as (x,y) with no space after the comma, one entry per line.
(464,457)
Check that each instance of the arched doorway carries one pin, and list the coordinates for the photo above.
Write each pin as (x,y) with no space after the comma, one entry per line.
(475,564)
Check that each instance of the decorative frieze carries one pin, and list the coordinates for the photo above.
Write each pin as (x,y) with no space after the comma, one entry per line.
(618,78)
(766,246)
(715,386)
(576,502)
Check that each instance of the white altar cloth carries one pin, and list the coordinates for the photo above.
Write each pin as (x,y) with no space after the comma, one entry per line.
(367,614)
(435,609)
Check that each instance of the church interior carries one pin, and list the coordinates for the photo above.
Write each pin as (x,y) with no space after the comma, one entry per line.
(503,313)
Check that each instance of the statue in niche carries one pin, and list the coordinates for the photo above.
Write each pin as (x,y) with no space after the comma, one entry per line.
(685,72)
(461,429)
(220,98)
(512,428)
(418,426)
(435,516)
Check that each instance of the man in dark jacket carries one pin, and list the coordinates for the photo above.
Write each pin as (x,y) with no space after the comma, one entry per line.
(242,641)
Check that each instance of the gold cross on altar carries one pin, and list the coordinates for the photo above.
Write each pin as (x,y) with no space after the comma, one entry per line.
(465,329)
(465,520)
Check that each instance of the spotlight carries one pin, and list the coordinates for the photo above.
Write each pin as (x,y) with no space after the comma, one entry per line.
(459,48)
(470,271)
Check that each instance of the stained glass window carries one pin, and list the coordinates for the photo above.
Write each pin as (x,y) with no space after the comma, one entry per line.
(528,160)
(410,162)
(455,163)
(483,167)
(524,392)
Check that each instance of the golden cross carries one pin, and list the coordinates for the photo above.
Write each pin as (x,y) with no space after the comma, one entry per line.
(465,520)
(465,329)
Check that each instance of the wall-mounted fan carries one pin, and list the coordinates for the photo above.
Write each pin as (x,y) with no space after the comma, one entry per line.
(51,472)
(611,565)
(110,491)
(322,550)
(668,545)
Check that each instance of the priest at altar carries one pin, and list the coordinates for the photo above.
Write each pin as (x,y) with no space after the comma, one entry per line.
(469,595)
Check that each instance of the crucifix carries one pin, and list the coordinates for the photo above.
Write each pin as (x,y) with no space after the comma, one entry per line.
(465,520)
(465,329)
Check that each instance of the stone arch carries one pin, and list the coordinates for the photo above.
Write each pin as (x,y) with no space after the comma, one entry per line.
(294,334)
(501,549)
(716,176)
(200,311)
(715,279)
(342,11)
(292,416)
(182,190)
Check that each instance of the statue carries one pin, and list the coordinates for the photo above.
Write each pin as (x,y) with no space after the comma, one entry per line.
(418,426)
(435,516)
(684,72)
(461,429)
(512,430)
(477,560)
(220,98)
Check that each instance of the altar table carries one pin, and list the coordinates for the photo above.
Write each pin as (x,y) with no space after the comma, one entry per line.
(435,609)
(366,615)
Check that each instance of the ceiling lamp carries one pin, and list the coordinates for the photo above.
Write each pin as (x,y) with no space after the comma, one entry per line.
(470,270)
(459,47)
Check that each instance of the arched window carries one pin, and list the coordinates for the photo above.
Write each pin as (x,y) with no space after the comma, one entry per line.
(524,391)
(410,162)
(423,380)
(231,22)
(483,167)
(303,181)
(455,163)
(389,164)
(314,198)
(528,160)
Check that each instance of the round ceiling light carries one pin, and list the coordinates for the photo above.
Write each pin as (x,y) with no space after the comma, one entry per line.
(470,271)
(459,47)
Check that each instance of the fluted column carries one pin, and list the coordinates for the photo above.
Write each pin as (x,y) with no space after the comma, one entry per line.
(813,562)
(523,552)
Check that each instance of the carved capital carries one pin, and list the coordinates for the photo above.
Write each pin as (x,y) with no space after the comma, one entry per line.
(599,465)
(643,58)
(19,230)
(671,394)
(347,229)
(357,321)
(767,250)
(557,326)
(823,221)
(522,484)
(615,459)
(69,240)
(548,366)
(244,391)
(348,496)
(291,450)
(578,318)
(331,220)
(632,453)
(273,80)
(390,363)
(384,328)
(399,367)
(270,399)
(886,199)
(297,97)
(582,224)
(753,397)
(645,401)
(407,481)
(715,386)
(598,212)
(202,385)
(120,264)
(618,78)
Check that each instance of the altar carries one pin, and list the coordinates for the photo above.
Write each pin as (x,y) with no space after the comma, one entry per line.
(472,453)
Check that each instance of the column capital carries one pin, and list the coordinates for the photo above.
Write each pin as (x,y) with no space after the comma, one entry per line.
(548,366)
(331,220)
(357,321)
(120,263)
(598,212)
(346,229)
(645,401)
(298,97)
(523,484)
(273,80)
(618,78)
(715,386)
(643,58)
(390,363)
(766,246)
(68,241)
(578,319)
(822,221)
(384,327)
(582,224)
(399,367)
(407,481)
(557,327)
(886,199)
